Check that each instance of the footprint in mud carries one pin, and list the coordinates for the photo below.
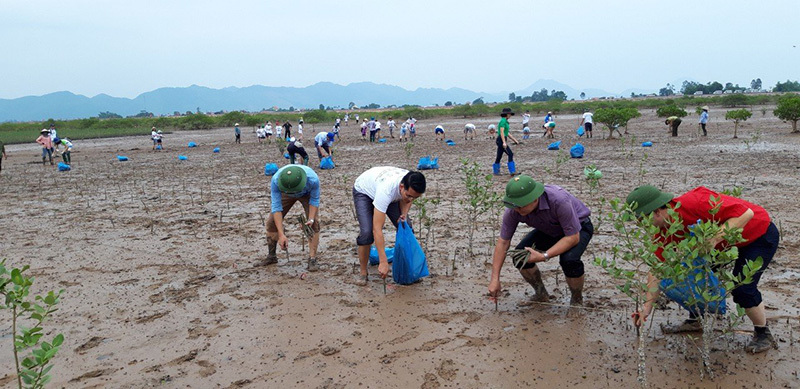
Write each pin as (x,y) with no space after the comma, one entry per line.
(404,338)
(91,343)
(208,368)
(92,374)
(447,370)
(431,382)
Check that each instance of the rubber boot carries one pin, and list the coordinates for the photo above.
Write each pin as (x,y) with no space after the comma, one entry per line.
(496,169)
(534,277)
(272,257)
(512,168)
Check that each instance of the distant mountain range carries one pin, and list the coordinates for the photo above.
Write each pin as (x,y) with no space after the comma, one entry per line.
(166,101)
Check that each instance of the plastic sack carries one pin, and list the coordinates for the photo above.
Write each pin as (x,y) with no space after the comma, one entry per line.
(551,124)
(286,155)
(450,142)
(373,255)
(647,144)
(182,157)
(63,167)
(270,169)
(122,158)
(216,149)
(326,163)
(554,145)
(409,260)
(427,163)
(581,131)
(576,151)
(192,144)
(691,289)
(382,140)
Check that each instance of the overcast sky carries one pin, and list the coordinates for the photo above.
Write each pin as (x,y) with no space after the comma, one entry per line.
(124,48)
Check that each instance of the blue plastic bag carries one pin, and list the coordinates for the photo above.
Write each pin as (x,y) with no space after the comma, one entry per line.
(192,144)
(182,157)
(270,169)
(450,142)
(122,158)
(63,167)
(554,145)
(286,155)
(216,149)
(382,140)
(326,163)
(576,151)
(692,287)
(373,255)
(426,163)
(580,131)
(409,260)
(647,144)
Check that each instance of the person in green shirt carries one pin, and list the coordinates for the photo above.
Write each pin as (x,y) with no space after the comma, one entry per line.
(2,154)
(503,136)
(673,122)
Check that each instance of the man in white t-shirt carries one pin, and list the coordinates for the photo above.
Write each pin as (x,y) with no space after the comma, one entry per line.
(323,142)
(379,192)
(526,118)
(587,122)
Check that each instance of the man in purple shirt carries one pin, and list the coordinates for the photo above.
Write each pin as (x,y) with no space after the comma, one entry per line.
(561,228)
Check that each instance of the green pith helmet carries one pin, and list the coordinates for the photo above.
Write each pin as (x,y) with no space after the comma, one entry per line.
(647,198)
(521,191)
(292,179)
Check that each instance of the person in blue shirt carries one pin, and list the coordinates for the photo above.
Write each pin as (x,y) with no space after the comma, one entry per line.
(323,142)
(237,132)
(290,184)
(704,119)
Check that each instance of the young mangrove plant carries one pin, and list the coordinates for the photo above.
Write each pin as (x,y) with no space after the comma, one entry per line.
(15,287)
(481,196)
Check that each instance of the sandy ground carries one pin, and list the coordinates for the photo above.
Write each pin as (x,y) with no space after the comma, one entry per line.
(156,256)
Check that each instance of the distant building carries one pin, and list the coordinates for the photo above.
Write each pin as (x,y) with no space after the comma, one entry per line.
(717,92)
(698,93)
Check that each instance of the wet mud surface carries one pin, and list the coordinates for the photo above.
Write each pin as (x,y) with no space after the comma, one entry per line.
(158,258)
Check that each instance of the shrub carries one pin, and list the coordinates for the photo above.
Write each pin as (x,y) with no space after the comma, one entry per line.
(738,115)
(671,110)
(789,109)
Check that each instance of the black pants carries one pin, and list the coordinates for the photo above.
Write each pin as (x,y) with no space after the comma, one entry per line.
(570,261)
(675,124)
(238,138)
(294,150)
(501,150)
(748,296)
(703,125)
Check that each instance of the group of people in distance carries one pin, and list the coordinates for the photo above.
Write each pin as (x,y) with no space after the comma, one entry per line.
(50,143)
(562,227)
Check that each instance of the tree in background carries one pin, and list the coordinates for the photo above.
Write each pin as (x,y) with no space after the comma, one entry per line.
(583,95)
(351,105)
(613,118)
(788,86)
(478,101)
(108,115)
(689,87)
(733,100)
(738,115)
(789,109)
(755,84)
(671,110)
(322,107)
(668,90)
(448,104)
(512,97)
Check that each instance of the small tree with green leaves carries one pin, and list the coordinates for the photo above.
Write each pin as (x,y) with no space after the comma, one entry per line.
(788,109)
(693,265)
(32,370)
(481,196)
(737,115)
(671,110)
(613,118)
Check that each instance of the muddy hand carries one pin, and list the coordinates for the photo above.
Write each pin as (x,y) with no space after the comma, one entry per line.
(494,288)
(638,318)
(283,242)
(383,269)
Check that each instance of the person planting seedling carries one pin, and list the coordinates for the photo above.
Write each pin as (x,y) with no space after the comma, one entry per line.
(377,193)
(289,185)
(561,227)
(759,239)
(323,142)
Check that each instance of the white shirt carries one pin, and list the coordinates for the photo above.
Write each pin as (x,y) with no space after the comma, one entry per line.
(469,127)
(261,132)
(53,134)
(391,124)
(377,125)
(382,185)
(587,117)
(300,129)
(321,139)
(526,117)
(153,135)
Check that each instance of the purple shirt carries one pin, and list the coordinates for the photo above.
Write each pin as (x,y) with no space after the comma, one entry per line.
(559,214)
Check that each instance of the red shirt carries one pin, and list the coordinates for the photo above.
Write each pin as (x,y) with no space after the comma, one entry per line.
(695,204)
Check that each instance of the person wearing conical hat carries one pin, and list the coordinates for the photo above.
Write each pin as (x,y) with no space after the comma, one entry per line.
(561,228)
(704,119)
(47,145)
(290,184)
(760,235)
